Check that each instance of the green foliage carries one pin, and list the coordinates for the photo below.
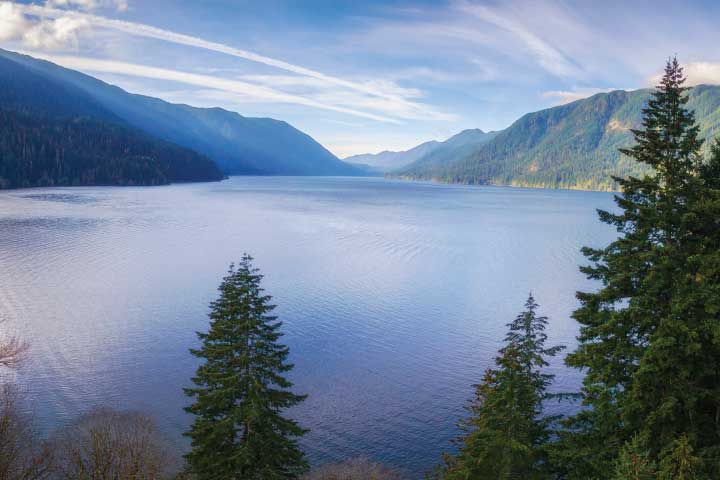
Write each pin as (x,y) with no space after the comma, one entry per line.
(442,154)
(55,134)
(569,146)
(38,151)
(649,337)
(634,463)
(238,144)
(679,463)
(507,431)
(241,390)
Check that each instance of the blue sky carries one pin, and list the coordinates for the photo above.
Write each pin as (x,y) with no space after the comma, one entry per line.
(365,76)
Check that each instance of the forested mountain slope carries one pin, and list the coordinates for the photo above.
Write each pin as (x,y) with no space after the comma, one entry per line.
(569,146)
(238,144)
(457,146)
(53,134)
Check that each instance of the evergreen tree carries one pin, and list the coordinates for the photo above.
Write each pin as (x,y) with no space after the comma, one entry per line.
(710,170)
(240,389)
(634,464)
(679,463)
(507,432)
(649,337)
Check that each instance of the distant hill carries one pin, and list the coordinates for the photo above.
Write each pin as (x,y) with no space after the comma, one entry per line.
(389,161)
(569,146)
(53,133)
(451,149)
(238,144)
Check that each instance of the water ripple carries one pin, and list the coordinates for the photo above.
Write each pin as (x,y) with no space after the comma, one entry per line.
(394,295)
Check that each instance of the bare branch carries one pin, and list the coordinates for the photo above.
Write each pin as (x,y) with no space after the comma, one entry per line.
(22,455)
(12,350)
(110,444)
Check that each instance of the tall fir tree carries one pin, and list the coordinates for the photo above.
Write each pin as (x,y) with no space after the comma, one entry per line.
(240,390)
(680,463)
(650,337)
(506,432)
(634,463)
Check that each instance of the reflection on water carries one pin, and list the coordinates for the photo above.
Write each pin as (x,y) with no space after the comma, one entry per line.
(394,295)
(60,197)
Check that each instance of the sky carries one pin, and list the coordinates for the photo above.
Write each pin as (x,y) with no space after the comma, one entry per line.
(366,76)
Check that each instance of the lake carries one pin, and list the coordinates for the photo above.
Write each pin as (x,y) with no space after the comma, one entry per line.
(394,296)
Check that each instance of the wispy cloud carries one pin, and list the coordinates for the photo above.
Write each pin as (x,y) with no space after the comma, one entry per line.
(316,89)
(256,92)
(404,71)
(549,57)
(119,5)
(561,97)
(143,30)
(59,27)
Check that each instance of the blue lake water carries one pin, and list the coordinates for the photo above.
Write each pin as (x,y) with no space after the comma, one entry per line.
(394,295)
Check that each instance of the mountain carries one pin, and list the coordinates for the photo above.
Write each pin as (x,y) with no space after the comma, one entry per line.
(569,146)
(52,133)
(238,144)
(455,147)
(389,161)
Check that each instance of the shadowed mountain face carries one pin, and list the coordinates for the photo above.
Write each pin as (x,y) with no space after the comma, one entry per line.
(570,146)
(239,145)
(53,133)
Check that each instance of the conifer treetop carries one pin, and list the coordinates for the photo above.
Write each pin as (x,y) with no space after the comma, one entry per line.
(241,389)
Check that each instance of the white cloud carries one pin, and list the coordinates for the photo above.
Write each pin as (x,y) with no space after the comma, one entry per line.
(119,5)
(51,34)
(12,22)
(237,87)
(700,73)
(549,57)
(395,109)
(148,31)
(287,81)
(697,73)
(389,97)
(561,97)
(61,33)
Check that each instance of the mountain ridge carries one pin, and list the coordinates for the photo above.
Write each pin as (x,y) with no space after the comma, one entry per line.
(389,160)
(238,144)
(573,146)
(457,145)
(54,134)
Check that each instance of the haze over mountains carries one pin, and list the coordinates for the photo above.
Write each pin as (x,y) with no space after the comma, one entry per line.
(237,144)
(387,161)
